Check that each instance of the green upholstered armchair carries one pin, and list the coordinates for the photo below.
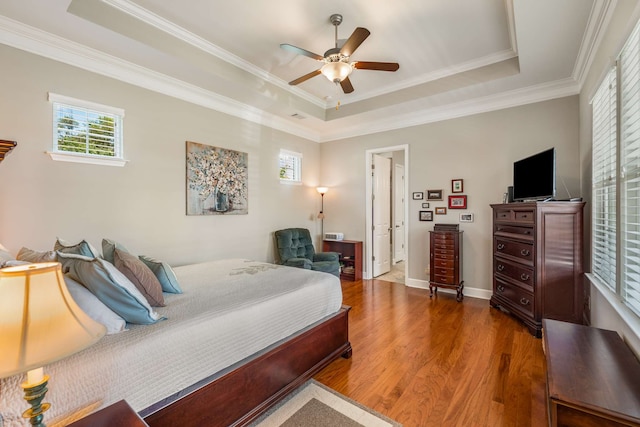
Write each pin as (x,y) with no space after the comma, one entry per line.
(295,249)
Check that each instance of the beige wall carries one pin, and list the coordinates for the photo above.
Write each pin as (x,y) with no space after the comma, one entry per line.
(480,150)
(604,313)
(142,204)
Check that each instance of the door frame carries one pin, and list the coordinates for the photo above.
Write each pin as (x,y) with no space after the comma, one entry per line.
(368,241)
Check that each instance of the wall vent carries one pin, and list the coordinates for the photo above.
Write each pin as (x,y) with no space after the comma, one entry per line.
(298,116)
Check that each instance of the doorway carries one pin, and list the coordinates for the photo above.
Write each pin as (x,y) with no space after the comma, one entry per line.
(386,242)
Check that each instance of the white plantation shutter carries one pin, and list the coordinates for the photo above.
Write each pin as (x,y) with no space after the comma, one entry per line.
(604,182)
(85,129)
(630,170)
(290,166)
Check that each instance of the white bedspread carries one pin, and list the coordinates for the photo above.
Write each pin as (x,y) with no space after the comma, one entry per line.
(229,310)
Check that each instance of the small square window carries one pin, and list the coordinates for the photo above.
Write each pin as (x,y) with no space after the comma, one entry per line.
(86,132)
(290,167)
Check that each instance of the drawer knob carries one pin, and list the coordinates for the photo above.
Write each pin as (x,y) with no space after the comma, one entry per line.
(500,246)
(500,267)
(525,252)
(524,277)
(524,301)
(500,288)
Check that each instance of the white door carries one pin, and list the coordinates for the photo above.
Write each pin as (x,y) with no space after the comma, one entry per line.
(381,187)
(398,213)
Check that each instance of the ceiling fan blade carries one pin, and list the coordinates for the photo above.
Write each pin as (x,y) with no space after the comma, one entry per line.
(304,78)
(356,39)
(378,66)
(301,51)
(347,87)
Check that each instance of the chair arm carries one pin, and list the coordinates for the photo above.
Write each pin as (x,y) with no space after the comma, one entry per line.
(326,256)
(299,263)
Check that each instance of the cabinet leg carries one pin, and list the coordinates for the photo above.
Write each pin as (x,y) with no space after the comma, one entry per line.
(459,295)
(431,287)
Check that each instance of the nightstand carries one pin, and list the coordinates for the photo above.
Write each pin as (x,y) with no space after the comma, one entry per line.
(119,414)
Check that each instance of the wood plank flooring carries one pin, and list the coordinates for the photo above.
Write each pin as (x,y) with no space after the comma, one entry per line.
(437,362)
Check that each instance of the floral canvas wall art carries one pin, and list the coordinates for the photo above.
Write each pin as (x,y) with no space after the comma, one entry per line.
(217,180)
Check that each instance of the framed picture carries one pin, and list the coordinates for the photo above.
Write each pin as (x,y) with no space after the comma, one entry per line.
(456,186)
(418,195)
(426,215)
(434,194)
(217,180)
(425,206)
(466,217)
(441,211)
(457,202)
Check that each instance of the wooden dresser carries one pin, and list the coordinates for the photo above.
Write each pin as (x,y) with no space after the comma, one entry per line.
(445,261)
(537,261)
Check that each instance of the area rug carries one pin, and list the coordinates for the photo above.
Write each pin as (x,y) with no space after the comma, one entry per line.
(316,405)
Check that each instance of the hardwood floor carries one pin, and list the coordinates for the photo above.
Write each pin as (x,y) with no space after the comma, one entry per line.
(438,362)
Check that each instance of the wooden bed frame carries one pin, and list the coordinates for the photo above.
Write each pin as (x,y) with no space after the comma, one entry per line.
(244,391)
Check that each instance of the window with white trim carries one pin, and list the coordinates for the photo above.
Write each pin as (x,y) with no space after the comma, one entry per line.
(86,132)
(603,193)
(616,177)
(290,165)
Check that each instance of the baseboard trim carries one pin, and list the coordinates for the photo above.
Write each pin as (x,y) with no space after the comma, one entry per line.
(468,291)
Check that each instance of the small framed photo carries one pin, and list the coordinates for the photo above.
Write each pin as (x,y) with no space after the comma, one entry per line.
(466,217)
(434,194)
(418,195)
(441,211)
(457,202)
(456,186)
(425,206)
(426,215)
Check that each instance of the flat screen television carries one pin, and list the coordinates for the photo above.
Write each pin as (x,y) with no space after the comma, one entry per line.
(534,178)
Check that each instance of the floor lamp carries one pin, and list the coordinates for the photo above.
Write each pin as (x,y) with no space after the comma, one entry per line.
(322,191)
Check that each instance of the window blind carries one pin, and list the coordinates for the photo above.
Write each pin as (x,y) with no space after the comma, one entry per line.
(604,181)
(80,130)
(290,166)
(630,170)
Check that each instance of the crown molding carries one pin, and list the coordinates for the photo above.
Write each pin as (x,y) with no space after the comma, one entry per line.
(33,40)
(44,44)
(599,19)
(188,37)
(508,99)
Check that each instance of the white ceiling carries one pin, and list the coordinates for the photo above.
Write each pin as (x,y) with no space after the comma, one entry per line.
(457,57)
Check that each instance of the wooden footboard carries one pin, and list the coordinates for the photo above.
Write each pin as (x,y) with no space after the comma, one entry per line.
(244,391)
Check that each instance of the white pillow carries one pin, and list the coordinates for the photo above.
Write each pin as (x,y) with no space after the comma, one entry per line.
(91,305)
(5,256)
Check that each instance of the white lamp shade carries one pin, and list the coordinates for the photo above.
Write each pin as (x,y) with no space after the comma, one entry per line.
(336,71)
(39,320)
(322,190)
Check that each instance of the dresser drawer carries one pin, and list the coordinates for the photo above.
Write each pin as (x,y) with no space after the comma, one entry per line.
(447,279)
(517,298)
(445,246)
(443,253)
(525,216)
(518,250)
(515,231)
(518,273)
(443,262)
(443,237)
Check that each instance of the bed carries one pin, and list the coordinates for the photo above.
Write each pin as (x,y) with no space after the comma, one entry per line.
(241,336)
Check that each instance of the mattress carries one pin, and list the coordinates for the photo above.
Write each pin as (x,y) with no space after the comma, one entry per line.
(230,309)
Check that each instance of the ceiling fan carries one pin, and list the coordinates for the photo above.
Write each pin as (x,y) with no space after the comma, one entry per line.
(337,67)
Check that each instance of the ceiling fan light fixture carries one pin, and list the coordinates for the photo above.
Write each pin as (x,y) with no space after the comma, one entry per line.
(336,71)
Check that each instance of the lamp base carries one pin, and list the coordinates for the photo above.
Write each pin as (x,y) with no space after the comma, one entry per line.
(34,394)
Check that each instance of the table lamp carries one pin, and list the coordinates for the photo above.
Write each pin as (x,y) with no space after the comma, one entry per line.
(40,323)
